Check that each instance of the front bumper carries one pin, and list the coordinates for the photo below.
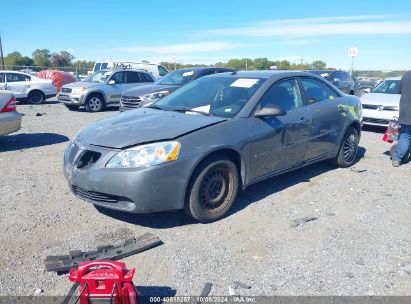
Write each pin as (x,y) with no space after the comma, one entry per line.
(9,122)
(378,118)
(145,190)
(71,99)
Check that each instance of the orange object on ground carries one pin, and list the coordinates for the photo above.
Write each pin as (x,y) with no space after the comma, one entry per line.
(58,78)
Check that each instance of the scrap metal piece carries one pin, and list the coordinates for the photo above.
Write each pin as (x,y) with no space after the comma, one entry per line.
(63,263)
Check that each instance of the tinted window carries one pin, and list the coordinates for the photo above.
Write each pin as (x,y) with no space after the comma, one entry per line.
(179,77)
(119,77)
(133,77)
(285,94)
(341,76)
(162,71)
(104,66)
(97,67)
(14,77)
(219,96)
(316,91)
(146,78)
(1,77)
(208,72)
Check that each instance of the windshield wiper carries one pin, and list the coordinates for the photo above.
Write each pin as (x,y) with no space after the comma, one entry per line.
(184,110)
(155,107)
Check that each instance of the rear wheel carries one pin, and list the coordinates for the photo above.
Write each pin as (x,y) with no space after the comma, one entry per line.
(212,189)
(348,149)
(95,103)
(36,97)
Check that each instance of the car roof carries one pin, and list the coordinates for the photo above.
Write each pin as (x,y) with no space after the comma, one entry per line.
(124,69)
(263,74)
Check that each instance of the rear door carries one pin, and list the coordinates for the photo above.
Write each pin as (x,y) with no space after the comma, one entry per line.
(18,83)
(279,142)
(329,116)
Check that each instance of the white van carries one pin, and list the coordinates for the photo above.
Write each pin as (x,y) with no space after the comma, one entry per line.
(156,69)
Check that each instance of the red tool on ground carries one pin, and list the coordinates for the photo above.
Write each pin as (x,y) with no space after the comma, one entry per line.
(105,281)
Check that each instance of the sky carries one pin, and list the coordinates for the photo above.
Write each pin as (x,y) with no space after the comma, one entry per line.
(209,31)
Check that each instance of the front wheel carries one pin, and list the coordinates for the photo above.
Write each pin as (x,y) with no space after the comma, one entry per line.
(348,149)
(212,189)
(94,103)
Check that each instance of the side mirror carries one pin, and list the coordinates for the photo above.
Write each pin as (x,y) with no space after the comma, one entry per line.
(112,81)
(270,111)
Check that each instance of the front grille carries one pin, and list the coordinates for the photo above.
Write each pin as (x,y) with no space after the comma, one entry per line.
(87,159)
(376,121)
(92,196)
(380,107)
(72,153)
(66,90)
(130,102)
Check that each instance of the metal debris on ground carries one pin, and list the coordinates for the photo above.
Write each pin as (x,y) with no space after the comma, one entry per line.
(238,284)
(301,221)
(63,263)
(40,114)
(356,170)
(206,289)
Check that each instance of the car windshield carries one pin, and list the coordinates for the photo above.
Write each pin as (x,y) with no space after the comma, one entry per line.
(388,87)
(217,96)
(99,77)
(180,77)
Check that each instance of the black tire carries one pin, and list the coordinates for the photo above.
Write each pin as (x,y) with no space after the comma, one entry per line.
(348,150)
(36,97)
(95,103)
(213,189)
(71,107)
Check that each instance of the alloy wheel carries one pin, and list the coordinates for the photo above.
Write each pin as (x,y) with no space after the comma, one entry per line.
(350,147)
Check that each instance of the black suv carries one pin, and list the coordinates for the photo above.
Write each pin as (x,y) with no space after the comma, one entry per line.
(341,79)
(146,95)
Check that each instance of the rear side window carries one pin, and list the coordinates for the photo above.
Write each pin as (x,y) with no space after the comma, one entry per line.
(317,91)
(285,94)
(162,71)
(146,78)
(1,77)
(341,76)
(133,77)
(14,77)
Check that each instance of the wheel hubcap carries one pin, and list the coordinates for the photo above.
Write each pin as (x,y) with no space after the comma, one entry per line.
(36,98)
(350,147)
(95,103)
(214,189)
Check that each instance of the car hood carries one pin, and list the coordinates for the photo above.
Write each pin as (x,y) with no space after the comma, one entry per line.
(147,89)
(381,99)
(142,126)
(82,84)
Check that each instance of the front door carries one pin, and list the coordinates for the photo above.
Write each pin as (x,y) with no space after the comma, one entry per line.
(279,142)
(114,90)
(19,84)
(328,114)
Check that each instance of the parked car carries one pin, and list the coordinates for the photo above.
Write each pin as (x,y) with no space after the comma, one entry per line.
(10,119)
(362,86)
(382,104)
(157,70)
(341,79)
(144,96)
(102,89)
(27,87)
(197,147)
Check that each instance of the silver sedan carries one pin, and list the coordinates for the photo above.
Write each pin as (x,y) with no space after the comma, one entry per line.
(10,119)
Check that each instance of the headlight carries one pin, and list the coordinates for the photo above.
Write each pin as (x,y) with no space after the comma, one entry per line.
(156,95)
(146,155)
(77,90)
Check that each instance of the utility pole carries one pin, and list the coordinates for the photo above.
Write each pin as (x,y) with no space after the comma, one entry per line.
(302,59)
(246,64)
(1,55)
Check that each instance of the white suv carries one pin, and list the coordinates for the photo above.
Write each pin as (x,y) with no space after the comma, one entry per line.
(26,87)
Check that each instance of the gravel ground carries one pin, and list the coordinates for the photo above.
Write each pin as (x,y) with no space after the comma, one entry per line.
(357,242)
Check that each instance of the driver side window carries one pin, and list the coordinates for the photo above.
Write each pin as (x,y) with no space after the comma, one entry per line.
(119,77)
(284,94)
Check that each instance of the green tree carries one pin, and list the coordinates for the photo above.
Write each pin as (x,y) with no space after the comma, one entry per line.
(261,64)
(17,59)
(41,57)
(318,65)
(62,59)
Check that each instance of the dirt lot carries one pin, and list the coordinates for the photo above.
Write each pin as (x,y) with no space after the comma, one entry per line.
(360,243)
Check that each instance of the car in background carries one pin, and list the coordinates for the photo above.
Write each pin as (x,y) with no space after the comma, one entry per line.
(341,79)
(10,119)
(102,89)
(157,70)
(27,87)
(197,147)
(382,104)
(362,86)
(144,96)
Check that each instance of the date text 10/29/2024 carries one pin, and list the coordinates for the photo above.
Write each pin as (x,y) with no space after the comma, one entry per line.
(222,299)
